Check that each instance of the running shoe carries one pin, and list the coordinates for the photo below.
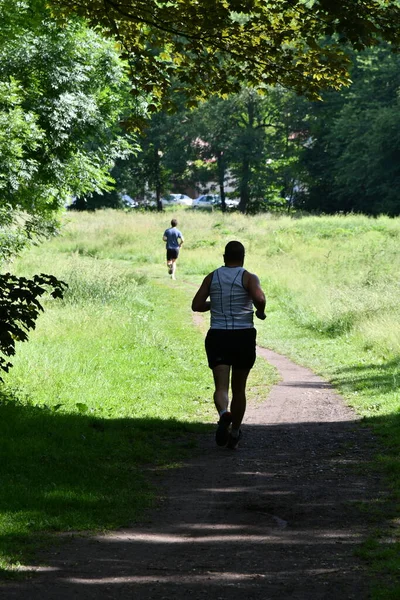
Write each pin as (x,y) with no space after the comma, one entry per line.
(222,433)
(233,442)
(169,270)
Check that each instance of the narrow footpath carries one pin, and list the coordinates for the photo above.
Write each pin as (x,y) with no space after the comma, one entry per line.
(277,519)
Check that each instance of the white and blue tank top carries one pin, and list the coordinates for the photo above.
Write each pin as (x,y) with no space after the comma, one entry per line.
(231,305)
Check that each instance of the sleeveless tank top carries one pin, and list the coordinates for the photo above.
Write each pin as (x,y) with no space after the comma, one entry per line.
(231,305)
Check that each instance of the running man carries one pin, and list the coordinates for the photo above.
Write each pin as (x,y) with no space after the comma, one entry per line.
(174,240)
(231,340)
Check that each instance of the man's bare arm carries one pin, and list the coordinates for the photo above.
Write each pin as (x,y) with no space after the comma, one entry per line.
(200,302)
(252,284)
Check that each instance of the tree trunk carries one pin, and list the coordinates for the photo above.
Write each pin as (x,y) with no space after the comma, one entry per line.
(244,186)
(157,178)
(221,178)
(246,162)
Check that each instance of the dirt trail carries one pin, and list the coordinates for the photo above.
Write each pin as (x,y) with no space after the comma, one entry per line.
(277,518)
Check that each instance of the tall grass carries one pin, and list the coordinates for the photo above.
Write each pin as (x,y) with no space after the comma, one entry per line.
(332,276)
(335,279)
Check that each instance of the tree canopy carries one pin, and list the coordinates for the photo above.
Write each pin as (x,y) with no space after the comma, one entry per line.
(353,159)
(218,45)
(63,92)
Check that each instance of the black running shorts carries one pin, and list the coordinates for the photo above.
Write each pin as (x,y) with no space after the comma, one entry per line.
(231,347)
(172,253)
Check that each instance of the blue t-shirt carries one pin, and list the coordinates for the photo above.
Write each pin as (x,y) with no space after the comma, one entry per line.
(173,234)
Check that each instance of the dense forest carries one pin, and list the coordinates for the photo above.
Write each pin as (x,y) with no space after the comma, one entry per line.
(278,150)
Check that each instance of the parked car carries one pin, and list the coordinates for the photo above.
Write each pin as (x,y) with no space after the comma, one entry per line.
(174,199)
(207,201)
(129,202)
(231,202)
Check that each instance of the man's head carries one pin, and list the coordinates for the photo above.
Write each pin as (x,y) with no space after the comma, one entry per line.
(234,253)
(174,223)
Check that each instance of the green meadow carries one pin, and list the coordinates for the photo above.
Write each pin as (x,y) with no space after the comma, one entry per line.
(113,386)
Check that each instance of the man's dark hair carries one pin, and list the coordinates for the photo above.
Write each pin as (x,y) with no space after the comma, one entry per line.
(234,251)
(174,222)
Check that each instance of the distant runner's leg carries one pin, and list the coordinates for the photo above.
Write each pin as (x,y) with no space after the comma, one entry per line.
(173,268)
(169,263)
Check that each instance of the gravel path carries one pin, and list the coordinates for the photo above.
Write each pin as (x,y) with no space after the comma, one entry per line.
(276,519)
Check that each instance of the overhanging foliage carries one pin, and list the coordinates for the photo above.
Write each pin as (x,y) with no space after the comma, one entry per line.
(20,307)
(219,44)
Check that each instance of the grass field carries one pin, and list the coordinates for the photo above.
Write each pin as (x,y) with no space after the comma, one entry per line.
(117,371)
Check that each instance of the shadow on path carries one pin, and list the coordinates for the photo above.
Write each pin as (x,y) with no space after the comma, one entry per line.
(278,518)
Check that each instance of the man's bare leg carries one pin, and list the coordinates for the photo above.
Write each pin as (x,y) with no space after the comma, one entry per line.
(221,380)
(173,269)
(238,404)
(221,400)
